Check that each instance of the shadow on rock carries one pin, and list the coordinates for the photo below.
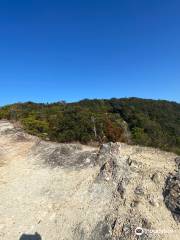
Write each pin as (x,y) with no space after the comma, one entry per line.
(35,236)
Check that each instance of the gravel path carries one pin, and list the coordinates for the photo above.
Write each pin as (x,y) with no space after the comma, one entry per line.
(37,198)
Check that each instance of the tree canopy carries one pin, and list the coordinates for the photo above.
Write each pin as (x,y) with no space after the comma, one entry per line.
(153,123)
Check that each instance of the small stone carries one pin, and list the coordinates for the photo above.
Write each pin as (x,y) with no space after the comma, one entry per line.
(177,161)
(121,189)
(153,202)
(129,161)
(139,190)
(135,203)
(155,178)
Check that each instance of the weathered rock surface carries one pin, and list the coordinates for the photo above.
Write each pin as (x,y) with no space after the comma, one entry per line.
(76,192)
(172,192)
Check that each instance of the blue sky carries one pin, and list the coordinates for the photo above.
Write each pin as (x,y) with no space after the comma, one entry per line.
(70,50)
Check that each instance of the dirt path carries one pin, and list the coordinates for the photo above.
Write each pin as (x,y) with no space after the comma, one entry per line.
(36,198)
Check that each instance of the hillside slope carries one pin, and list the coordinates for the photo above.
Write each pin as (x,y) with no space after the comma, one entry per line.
(76,192)
(132,120)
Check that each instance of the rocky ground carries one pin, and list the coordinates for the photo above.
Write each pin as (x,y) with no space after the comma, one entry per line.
(53,191)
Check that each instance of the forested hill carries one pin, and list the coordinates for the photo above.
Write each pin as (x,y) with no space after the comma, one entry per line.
(153,123)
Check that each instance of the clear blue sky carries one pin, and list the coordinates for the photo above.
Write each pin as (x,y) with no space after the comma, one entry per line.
(70,50)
